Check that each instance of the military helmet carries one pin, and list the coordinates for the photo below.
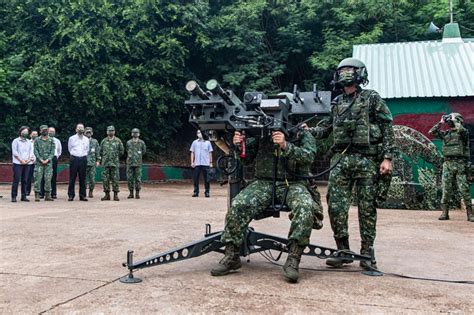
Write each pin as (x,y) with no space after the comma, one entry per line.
(110,128)
(458,117)
(135,130)
(361,76)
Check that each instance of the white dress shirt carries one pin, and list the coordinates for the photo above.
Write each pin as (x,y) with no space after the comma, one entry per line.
(58,148)
(33,157)
(22,149)
(78,145)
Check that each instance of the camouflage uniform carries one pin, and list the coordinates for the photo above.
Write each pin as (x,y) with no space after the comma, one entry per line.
(44,150)
(92,157)
(258,195)
(363,136)
(135,152)
(455,166)
(110,151)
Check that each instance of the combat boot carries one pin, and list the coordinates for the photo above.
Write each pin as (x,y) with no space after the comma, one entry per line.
(106,197)
(365,250)
(470,215)
(445,214)
(116,198)
(231,261)
(130,196)
(338,262)
(91,195)
(37,196)
(137,194)
(47,197)
(291,266)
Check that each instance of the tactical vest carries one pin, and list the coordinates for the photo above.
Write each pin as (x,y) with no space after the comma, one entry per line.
(453,145)
(352,123)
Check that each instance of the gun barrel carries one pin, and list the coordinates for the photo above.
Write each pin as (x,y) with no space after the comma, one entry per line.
(194,89)
(213,86)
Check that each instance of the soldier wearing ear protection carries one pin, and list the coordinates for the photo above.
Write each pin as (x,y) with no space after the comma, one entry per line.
(456,165)
(363,148)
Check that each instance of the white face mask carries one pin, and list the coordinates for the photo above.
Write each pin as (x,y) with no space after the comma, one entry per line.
(199,135)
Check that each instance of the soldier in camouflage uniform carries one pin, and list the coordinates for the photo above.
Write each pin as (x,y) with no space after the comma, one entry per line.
(93,158)
(44,149)
(456,162)
(136,148)
(294,158)
(111,149)
(364,145)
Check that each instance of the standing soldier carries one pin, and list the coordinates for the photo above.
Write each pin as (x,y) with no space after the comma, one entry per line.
(111,148)
(33,136)
(136,148)
(456,162)
(44,150)
(364,145)
(57,154)
(93,158)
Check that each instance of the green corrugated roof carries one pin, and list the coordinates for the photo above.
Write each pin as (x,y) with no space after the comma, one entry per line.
(419,69)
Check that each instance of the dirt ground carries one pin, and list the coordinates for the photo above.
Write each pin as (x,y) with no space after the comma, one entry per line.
(66,257)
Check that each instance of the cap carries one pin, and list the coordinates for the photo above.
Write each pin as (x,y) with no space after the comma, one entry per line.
(110,128)
(89,129)
(43,127)
(135,130)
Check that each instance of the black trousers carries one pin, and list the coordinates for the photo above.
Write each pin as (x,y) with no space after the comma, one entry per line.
(53,179)
(21,173)
(196,173)
(77,166)
(30,178)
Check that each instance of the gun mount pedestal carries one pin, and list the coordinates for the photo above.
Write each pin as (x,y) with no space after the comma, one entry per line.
(254,242)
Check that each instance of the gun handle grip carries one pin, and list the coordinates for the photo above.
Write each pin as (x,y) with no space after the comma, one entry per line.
(242,152)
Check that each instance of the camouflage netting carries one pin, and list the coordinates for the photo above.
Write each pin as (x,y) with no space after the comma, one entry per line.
(416,178)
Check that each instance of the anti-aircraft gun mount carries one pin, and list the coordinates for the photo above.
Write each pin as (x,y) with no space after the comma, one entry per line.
(219,113)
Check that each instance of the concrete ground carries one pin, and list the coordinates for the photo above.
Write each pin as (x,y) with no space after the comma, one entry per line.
(65,257)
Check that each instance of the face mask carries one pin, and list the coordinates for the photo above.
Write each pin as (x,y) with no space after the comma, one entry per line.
(44,133)
(88,134)
(199,135)
(52,134)
(34,137)
(135,135)
(80,131)
(450,123)
(111,134)
(346,77)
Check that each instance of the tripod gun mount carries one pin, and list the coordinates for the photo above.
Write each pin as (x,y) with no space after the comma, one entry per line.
(220,112)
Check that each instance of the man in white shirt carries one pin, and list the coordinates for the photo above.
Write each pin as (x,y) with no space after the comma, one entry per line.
(201,159)
(21,156)
(78,146)
(57,153)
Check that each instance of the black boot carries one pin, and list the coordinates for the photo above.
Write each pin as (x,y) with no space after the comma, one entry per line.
(48,197)
(470,215)
(231,261)
(365,250)
(291,266)
(91,195)
(106,197)
(338,262)
(130,196)
(116,198)
(445,214)
(137,194)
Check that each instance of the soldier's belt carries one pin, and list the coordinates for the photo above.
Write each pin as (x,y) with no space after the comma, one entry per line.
(290,179)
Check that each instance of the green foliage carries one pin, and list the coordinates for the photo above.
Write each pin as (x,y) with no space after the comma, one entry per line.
(125,62)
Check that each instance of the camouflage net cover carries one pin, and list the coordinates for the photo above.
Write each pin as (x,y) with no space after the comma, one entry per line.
(417,172)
